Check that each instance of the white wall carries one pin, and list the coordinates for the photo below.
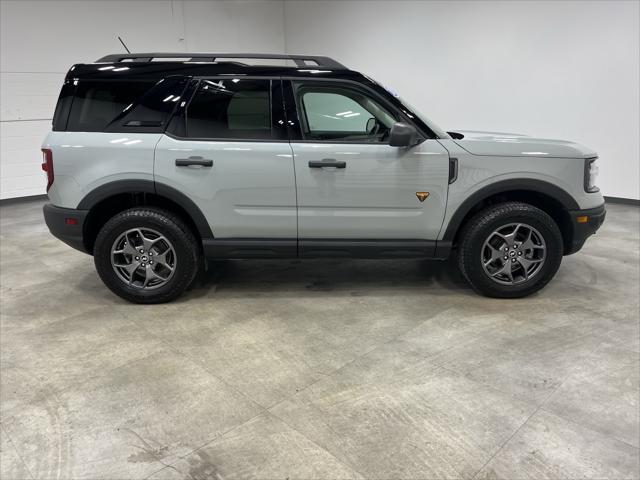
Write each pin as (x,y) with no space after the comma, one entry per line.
(555,69)
(40,40)
(547,68)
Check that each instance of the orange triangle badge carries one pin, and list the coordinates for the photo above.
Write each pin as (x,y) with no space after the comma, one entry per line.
(422,196)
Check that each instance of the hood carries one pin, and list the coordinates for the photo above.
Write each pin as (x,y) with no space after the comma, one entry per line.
(517,145)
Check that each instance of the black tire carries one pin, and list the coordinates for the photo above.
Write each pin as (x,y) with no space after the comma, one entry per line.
(478,229)
(188,255)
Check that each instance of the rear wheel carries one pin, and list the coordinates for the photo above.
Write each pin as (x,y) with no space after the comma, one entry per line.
(146,255)
(510,250)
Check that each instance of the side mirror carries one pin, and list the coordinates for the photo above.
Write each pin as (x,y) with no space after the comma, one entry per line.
(371,124)
(402,135)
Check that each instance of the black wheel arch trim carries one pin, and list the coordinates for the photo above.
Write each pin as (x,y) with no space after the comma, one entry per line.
(504,186)
(148,186)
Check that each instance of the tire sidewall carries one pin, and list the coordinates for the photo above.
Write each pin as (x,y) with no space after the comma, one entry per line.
(186,256)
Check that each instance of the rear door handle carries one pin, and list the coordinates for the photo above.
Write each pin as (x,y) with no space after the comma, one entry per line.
(327,162)
(186,162)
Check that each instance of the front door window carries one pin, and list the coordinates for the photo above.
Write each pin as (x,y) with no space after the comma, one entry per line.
(343,114)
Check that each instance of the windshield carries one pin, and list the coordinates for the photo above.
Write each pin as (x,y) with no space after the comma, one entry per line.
(433,126)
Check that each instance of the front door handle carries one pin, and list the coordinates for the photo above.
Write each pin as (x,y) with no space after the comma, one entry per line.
(186,162)
(327,162)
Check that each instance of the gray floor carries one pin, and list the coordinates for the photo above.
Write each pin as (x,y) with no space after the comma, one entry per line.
(319,369)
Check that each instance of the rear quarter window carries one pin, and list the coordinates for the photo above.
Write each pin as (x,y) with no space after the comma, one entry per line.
(97,103)
(65,99)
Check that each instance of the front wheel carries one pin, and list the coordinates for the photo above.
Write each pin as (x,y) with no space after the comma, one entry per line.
(146,255)
(510,250)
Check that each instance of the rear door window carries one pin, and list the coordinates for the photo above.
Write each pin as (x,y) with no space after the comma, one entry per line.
(97,103)
(233,108)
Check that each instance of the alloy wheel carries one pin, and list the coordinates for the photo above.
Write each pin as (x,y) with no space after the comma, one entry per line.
(513,253)
(143,258)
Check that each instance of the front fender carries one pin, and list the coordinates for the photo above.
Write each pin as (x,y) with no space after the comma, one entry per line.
(451,227)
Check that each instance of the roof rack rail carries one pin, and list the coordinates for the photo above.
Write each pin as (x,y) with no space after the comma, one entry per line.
(299,60)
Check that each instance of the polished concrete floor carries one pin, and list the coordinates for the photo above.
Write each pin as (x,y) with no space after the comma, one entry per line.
(319,369)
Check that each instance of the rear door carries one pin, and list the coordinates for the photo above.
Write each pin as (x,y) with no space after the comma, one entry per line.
(227,150)
(353,186)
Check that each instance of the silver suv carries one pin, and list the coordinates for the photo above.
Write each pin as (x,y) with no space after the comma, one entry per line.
(157,161)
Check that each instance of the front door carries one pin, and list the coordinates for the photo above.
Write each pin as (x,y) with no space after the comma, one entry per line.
(352,187)
(227,151)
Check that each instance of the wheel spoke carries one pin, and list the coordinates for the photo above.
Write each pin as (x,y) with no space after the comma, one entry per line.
(148,275)
(510,238)
(495,252)
(166,250)
(127,249)
(495,255)
(131,239)
(162,260)
(507,241)
(148,243)
(131,270)
(516,229)
(527,262)
(151,274)
(529,245)
(160,276)
(525,268)
(505,270)
(509,271)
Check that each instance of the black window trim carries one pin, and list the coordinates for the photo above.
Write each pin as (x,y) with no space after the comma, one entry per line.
(295,131)
(276,110)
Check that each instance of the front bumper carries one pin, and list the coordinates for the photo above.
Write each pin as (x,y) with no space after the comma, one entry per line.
(584,223)
(67,224)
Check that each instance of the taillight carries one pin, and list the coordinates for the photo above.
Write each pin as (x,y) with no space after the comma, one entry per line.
(47,165)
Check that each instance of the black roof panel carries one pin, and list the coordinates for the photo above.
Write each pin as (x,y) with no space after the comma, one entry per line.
(159,69)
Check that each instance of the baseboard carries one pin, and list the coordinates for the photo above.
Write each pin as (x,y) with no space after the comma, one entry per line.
(622,201)
(31,198)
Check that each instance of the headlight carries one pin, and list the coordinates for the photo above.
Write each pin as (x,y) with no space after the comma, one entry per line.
(590,174)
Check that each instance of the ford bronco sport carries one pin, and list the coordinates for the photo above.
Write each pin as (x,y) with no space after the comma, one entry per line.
(157,161)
